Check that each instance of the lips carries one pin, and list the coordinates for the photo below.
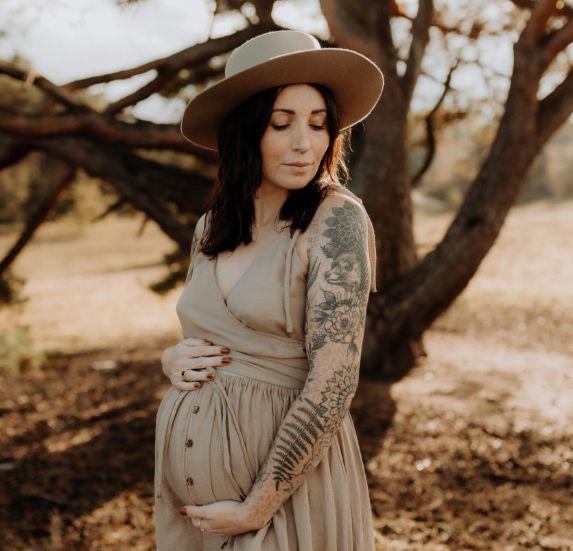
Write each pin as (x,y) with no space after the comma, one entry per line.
(298,164)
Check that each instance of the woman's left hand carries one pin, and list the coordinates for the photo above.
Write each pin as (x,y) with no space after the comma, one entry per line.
(225,518)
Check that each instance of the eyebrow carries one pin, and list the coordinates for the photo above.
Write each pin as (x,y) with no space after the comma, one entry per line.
(291,112)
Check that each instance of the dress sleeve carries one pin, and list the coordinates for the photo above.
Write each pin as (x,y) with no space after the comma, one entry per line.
(197,235)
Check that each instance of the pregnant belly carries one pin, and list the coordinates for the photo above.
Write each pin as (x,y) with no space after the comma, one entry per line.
(220,437)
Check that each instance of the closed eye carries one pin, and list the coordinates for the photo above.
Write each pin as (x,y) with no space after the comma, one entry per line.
(283,126)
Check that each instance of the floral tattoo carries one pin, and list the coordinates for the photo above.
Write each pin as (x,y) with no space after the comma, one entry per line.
(339,315)
(339,284)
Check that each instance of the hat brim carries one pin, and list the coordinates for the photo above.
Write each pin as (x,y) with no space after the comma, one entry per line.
(355,81)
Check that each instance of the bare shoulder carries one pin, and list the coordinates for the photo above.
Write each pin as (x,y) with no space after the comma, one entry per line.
(333,200)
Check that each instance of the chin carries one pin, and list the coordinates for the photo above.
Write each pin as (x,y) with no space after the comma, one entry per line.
(293,187)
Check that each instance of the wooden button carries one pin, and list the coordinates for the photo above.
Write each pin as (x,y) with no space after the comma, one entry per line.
(189,442)
(195,409)
(189,481)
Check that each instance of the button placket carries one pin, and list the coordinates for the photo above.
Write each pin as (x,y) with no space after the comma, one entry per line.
(189,481)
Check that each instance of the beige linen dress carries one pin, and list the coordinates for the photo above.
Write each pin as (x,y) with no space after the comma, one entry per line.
(211,443)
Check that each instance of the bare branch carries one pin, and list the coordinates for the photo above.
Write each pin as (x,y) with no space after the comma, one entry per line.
(264,10)
(166,84)
(184,187)
(146,184)
(430,127)
(420,37)
(541,11)
(557,40)
(562,7)
(57,92)
(194,55)
(140,134)
(162,78)
(555,109)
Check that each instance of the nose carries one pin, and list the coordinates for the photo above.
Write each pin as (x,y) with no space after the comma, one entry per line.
(301,138)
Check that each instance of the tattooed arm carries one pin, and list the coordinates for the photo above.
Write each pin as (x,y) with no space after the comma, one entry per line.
(337,294)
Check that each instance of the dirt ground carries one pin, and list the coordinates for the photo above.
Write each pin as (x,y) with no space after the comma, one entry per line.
(472,450)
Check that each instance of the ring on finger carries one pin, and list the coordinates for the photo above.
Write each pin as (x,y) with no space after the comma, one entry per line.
(183,374)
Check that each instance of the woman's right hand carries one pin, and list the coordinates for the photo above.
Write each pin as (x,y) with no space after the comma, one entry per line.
(191,362)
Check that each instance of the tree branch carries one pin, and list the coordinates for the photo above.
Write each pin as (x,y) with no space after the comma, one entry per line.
(420,36)
(55,91)
(562,8)
(162,78)
(430,127)
(140,181)
(541,11)
(170,65)
(140,134)
(555,109)
(557,40)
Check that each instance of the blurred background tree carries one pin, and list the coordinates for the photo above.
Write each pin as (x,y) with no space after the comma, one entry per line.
(56,138)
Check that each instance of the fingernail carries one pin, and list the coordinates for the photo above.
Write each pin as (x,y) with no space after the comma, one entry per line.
(226,360)
(210,376)
(225,350)
(197,385)
(183,512)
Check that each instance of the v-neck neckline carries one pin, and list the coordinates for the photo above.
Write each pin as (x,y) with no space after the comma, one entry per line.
(245,272)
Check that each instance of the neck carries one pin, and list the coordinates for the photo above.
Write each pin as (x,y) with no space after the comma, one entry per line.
(268,203)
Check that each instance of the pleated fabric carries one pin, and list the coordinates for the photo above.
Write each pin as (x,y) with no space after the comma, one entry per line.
(211,443)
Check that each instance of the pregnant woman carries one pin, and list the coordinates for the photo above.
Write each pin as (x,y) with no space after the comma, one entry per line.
(255,446)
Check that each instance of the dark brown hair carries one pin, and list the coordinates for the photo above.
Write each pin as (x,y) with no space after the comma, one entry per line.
(230,204)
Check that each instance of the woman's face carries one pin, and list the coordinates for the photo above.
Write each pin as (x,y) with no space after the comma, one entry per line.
(297,133)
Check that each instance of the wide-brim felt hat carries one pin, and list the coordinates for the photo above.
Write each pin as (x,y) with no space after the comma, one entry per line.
(279,58)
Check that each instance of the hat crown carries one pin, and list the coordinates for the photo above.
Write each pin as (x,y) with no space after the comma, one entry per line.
(267,46)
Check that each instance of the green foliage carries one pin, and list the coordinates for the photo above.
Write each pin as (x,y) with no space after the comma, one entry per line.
(18,353)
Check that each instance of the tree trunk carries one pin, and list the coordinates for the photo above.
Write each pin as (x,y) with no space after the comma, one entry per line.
(412,296)
(410,305)
(380,176)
